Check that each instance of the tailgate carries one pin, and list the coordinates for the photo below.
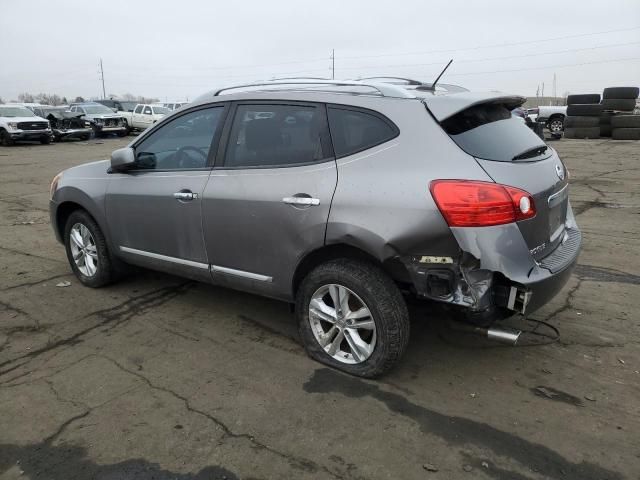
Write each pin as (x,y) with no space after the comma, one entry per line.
(546,181)
(511,154)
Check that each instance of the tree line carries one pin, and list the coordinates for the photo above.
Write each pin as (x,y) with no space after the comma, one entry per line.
(55,100)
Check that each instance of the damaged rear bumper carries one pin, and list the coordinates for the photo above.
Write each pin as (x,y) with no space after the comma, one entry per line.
(496,269)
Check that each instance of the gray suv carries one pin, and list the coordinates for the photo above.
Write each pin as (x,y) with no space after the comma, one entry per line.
(345,198)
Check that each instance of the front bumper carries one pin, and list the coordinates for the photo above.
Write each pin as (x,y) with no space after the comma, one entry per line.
(496,270)
(53,212)
(25,135)
(72,132)
(103,129)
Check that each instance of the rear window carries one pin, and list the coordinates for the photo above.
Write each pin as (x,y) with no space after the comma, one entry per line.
(491,133)
(353,130)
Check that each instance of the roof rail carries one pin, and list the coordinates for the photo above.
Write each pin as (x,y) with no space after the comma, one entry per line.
(407,81)
(297,78)
(418,84)
(383,89)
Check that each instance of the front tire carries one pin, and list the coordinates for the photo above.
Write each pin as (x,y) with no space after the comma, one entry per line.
(87,250)
(45,140)
(6,139)
(351,316)
(556,125)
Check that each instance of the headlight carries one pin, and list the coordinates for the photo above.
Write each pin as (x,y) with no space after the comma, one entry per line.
(87,124)
(54,184)
(12,125)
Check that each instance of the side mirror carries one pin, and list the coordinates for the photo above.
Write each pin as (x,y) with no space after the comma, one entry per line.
(115,109)
(122,159)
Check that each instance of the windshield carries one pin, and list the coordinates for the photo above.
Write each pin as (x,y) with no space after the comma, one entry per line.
(96,109)
(160,110)
(128,106)
(12,112)
(490,132)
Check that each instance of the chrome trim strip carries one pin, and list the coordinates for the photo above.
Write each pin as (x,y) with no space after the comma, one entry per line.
(557,197)
(157,256)
(240,273)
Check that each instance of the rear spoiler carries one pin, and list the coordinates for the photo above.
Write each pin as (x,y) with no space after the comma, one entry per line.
(445,106)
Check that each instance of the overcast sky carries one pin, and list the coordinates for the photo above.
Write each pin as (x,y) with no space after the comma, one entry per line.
(179,49)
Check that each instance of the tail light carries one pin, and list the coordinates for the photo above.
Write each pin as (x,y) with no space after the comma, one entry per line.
(468,203)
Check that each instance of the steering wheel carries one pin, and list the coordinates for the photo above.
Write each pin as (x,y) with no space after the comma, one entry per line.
(185,161)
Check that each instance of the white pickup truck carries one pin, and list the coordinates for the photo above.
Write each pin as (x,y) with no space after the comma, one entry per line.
(551,116)
(144,115)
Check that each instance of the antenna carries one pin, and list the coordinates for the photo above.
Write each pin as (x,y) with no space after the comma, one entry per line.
(333,64)
(104,95)
(433,85)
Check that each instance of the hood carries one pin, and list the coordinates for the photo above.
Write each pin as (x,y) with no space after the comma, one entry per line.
(92,170)
(445,106)
(23,119)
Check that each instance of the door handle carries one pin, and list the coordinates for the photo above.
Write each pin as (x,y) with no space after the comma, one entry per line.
(185,196)
(306,201)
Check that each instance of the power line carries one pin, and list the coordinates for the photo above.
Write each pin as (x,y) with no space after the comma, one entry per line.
(549,66)
(496,58)
(104,95)
(496,45)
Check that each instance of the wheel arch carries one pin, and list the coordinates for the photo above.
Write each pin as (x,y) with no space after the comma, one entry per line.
(556,115)
(392,266)
(69,199)
(63,212)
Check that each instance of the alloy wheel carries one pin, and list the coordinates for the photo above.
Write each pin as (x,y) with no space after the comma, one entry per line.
(342,324)
(556,126)
(83,250)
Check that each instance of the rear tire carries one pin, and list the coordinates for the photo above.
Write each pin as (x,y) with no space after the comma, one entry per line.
(368,287)
(622,104)
(621,92)
(87,250)
(586,110)
(625,134)
(584,132)
(581,122)
(584,98)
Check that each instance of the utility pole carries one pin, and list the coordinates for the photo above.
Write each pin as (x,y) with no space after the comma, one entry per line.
(333,64)
(554,89)
(104,94)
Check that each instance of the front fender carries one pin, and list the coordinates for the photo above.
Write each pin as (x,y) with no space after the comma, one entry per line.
(90,198)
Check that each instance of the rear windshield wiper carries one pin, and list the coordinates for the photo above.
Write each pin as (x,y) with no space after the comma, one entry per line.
(532,152)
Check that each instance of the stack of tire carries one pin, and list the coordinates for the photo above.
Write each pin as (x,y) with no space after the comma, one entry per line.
(583,116)
(618,104)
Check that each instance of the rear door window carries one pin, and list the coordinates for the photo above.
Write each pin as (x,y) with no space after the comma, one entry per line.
(355,130)
(490,132)
(277,135)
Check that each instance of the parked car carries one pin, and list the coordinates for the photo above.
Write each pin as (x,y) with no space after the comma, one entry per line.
(65,124)
(552,117)
(339,202)
(144,115)
(103,120)
(19,124)
(118,105)
(173,105)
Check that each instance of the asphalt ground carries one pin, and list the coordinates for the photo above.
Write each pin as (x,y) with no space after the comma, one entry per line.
(157,377)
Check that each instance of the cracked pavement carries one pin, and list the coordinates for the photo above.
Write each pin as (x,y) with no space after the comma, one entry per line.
(157,377)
